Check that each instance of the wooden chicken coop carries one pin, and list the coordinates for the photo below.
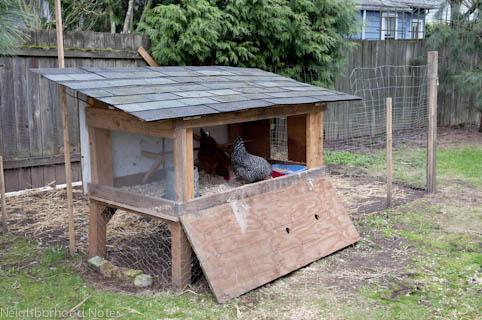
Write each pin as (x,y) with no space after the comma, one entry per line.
(243,237)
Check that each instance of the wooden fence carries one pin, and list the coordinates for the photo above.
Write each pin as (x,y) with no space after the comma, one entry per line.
(31,140)
(453,107)
(30,123)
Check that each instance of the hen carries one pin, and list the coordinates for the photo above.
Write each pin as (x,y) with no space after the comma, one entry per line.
(247,166)
(212,159)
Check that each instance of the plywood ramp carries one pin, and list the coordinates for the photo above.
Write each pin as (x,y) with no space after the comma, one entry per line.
(246,243)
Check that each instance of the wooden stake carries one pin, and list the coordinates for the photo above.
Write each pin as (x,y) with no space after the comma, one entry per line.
(147,57)
(432,75)
(65,127)
(389,152)
(2,194)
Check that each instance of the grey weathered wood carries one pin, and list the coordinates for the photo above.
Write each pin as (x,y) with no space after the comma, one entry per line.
(432,75)
(30,106)
(108,194)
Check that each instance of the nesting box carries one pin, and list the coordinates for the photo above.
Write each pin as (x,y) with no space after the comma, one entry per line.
(138,128)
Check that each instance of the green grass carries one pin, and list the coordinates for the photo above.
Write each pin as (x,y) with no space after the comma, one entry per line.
(348,158)
(464,163)
(446,268)
(32,277)
(409,164)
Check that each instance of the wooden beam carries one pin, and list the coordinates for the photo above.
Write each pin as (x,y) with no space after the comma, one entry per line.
(15,163)
(147,57)
(184,191)
(121,121)
(183,165)
(81,53)
(127,199)
(101,156)
(250,190)
(65,129)
(432,76)
(314,140)
(2,195)
(248,115)
(99,216)
(137,210)
(180,255)
(101,173)
(389,151)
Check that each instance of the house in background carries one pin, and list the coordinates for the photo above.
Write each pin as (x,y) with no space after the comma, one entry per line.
(394,20)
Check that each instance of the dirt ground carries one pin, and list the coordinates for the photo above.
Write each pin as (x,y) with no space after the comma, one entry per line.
(42,216)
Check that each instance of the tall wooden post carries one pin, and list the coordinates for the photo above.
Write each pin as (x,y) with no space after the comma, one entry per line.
(432,77)
(389,151)
(2,194)
(183,190)
(65,127)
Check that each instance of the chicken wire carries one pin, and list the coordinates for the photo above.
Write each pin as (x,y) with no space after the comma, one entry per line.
(147,249)
(359,127)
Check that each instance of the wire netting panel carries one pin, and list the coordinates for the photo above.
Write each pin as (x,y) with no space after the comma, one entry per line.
(355,132)
(142,243)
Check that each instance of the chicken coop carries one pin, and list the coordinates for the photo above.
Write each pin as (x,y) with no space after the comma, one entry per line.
(140,132)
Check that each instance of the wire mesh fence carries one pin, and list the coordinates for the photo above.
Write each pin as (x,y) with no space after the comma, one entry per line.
(145,244)
(355,135)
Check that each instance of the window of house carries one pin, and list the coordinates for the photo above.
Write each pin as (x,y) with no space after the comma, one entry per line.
(416,30)
(389,26)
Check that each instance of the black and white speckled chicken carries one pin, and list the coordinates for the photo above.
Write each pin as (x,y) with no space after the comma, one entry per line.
(247,166)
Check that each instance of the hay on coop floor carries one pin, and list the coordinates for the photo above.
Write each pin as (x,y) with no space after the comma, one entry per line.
(208,185)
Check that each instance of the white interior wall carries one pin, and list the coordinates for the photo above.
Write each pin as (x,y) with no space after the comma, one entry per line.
(127,147)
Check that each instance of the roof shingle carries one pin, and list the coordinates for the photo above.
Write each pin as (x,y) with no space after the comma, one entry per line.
(156,93)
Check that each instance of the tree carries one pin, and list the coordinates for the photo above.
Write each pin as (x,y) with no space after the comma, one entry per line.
(10,18)
(460,41)
(269,34)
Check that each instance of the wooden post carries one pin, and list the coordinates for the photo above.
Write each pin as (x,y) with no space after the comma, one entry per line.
(389,152)
(65,127)
(99,216)
(432,77)
(2,194)
(101,173)
(183,190)
(314,140)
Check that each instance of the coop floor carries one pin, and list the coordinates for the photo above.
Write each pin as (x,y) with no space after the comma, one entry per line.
(207,185)
(419,260)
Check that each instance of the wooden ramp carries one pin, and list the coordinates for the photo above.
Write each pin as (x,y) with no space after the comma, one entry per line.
(246,243)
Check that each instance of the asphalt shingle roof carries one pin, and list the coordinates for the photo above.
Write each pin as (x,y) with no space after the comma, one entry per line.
(156,93)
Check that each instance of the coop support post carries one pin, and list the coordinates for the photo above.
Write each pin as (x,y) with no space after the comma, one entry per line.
(2,194)
(432,77)
(389,151)
(183,190)
(100,215)
(314,140)
(101,173)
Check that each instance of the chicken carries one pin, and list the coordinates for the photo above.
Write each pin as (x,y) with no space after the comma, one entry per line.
(247,166)
(212,159)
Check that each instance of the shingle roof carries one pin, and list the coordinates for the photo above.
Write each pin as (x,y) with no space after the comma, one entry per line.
(397,5)
(155,93)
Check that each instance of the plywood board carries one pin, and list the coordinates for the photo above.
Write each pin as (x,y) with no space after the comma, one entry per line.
(244,244)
